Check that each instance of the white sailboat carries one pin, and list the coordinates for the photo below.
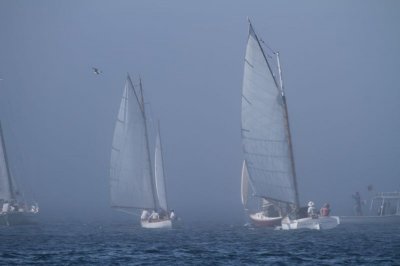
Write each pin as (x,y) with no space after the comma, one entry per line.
(14,209)
(268,153)
(134,184)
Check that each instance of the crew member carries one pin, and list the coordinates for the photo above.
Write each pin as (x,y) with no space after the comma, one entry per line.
(311,209)
(325,210)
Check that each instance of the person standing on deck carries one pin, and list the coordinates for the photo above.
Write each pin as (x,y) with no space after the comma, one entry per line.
(311,209)
(172,215)
(145,215)
(357,205)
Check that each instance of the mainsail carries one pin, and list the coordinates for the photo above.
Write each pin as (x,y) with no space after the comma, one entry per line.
(265,129)
(6,183)
(131,174)
(160,174)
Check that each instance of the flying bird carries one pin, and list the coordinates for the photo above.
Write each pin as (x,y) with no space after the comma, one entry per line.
(97,71)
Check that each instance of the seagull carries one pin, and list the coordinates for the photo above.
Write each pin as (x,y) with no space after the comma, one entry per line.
(96,71)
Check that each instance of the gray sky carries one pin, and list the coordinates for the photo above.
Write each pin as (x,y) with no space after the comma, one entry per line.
(340,61)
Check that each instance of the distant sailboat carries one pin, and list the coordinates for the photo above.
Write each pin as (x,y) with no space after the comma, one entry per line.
(13,208)
(134,184)
(268,154)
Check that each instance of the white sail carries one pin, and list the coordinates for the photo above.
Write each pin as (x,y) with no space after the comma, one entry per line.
(6,190)
(265,133)
(160,175)
(130,173)
(244,184)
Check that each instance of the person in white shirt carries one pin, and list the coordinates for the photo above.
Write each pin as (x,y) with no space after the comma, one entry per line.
(172,215)
(145,215)
(311,209)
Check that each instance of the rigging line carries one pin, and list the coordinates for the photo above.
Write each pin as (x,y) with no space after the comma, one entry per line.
(271,50)
(151,116)
(267,46)
(140,101)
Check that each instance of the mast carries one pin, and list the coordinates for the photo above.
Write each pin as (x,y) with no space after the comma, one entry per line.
(153,188)
(288,132)
(7,165)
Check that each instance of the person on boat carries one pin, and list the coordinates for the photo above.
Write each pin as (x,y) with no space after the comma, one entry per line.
(382,209)
(172,215)
(154,216)
(311,209)
(6,207)
(357,205)
(325,210)
(144,216)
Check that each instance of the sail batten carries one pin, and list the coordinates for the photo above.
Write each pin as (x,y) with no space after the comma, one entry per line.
(265,137)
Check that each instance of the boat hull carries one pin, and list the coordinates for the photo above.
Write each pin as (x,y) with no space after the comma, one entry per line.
(260,220)
(17,218)
(318,223)
(389,219)
(160,224)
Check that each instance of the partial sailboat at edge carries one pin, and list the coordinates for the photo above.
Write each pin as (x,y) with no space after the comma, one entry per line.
(14,210)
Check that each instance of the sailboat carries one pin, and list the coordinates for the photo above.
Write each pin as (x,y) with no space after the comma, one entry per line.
(267,145)
(14,210)
(133,183)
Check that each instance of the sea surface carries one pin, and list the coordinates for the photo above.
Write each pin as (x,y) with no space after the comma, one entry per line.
(202,244)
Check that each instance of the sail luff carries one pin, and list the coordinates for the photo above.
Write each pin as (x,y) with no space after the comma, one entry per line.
(155,198)
(7,168)
(289,133)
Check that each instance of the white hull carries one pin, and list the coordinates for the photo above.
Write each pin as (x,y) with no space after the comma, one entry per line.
(260,220)
(388,219)
(319,223)
(17,218)
(160,224)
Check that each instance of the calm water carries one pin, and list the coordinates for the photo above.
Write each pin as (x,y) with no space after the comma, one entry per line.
(64,244)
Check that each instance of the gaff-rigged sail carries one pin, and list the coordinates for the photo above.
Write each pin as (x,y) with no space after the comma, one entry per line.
(160,174)
(131,180)
(265,131)
(6,183)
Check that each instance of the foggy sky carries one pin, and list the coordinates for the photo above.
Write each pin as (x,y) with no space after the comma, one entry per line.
(340,64)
